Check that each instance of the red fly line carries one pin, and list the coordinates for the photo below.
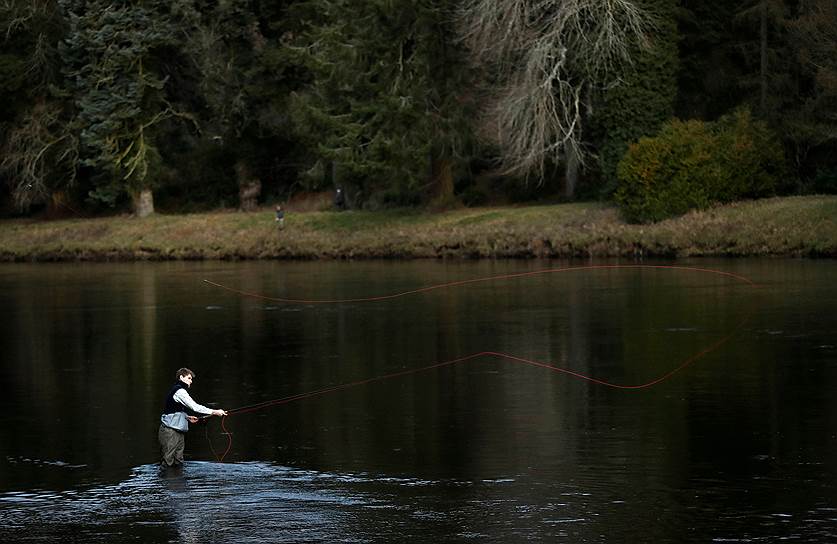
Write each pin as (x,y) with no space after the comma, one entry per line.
(482,354)
(461,283)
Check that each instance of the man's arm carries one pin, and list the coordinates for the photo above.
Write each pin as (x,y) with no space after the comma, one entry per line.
(183,398)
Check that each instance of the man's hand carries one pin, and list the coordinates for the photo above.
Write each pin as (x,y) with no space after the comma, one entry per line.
(219,412)
(192,419)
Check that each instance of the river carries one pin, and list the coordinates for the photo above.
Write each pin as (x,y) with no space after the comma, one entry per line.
(364,428)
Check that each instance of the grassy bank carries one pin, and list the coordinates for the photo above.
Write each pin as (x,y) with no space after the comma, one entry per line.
(795,226)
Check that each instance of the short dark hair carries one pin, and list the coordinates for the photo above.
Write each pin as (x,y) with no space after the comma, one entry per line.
(184,372)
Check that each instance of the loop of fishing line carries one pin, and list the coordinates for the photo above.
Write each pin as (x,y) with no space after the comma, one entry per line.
(461,283)
(482,354)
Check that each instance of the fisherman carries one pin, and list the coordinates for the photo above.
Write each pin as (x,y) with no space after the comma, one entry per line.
(178,411)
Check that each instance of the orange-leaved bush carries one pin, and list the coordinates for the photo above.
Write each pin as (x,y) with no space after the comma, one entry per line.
(694,164)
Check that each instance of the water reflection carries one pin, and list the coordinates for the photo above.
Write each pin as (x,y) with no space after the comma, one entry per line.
(741,445)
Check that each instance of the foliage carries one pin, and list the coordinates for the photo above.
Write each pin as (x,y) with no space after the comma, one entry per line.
(811,124)
(37,147)
(694,164)
(540,64)
(112,55)
(769,71)
(39,155)
(824,182)
(709,78)
(383,105)
(643,99)
(101,99)
(204,178)
(780,62)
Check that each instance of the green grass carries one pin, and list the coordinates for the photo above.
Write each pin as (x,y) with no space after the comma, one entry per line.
(793,226)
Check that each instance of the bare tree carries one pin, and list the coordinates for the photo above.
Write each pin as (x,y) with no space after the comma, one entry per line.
(39,155)
(541,59)
(38,151)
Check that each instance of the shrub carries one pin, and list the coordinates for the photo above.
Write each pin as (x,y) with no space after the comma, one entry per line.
(694,164)
(825,182)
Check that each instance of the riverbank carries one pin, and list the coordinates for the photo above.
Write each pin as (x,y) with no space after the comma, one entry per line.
(791,226)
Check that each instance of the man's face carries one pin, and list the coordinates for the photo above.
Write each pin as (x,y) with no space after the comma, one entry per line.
(187,379)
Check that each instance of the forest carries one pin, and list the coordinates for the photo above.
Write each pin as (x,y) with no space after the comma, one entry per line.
(658,106)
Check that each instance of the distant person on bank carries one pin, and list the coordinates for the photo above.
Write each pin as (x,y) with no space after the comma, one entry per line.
(339,199)
(280,216)
(178,411)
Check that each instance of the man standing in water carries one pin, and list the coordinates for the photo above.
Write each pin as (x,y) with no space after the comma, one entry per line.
(177,414)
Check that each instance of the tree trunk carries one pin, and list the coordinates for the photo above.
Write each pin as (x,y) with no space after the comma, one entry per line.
(571,172)
(57,205)
(249,188)
(763,75)
(143,203)
(442,172)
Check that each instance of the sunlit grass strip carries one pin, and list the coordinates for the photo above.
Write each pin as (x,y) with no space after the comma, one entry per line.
(795,226)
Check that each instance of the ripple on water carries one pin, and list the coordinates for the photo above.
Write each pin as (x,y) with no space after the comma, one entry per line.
(255,501)
(260,502)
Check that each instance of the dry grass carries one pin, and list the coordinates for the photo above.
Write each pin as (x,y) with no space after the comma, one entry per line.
(780,226)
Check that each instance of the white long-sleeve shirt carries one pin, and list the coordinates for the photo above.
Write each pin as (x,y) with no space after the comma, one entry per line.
(177,420)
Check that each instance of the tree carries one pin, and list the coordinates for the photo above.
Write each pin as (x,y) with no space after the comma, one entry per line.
(771,76)
(384,104)
(710,70)
(38,149)
(643,98)
(812,125)
(788,84)
(235,76)
(111,54)
(222,42)
(543,61)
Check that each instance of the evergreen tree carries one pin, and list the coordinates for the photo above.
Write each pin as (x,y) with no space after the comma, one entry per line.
(709,78)
(237,86)
(785,50)
(770,74)
(384,102)
(644,98)
(112,56)
(811,124)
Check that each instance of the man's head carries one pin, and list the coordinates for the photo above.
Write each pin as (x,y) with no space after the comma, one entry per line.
(186,376)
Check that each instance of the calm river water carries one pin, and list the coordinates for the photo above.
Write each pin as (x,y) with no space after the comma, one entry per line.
(739,445)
